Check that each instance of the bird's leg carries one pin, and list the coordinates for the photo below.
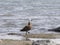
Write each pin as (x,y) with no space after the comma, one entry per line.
(26,35)
(28,32)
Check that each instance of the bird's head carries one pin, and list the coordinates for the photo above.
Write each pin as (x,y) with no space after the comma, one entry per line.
(29,21)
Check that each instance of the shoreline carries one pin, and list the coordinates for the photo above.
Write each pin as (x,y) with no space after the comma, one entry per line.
(23,42)
(14,42)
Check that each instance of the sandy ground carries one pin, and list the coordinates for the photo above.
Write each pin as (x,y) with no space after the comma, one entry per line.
(23,42)
(49,36)
(15,42)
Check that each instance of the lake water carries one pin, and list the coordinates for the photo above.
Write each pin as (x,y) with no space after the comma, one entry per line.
(14,15)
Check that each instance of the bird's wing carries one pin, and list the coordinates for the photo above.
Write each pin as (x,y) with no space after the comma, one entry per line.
(25,28)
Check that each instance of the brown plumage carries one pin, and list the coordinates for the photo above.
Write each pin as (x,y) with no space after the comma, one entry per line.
(27,28)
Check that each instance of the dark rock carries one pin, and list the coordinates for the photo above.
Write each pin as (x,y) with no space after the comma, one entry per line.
(55,29)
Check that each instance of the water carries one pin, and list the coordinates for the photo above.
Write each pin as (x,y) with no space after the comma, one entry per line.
(14,15)
(12,37)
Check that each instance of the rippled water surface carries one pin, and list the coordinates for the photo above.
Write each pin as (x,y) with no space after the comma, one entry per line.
(14,15)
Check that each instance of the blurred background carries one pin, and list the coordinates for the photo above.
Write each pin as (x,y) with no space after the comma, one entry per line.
(14,15)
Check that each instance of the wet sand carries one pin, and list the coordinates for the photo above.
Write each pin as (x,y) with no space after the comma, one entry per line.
(15,42)
(24,42)
(49,36)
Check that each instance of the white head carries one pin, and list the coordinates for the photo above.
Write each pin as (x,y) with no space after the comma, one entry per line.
(29,19)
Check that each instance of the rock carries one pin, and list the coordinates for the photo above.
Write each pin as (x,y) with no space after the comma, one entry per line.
(55,29)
